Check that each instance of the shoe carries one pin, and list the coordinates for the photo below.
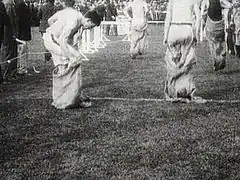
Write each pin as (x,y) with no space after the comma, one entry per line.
(222,65)
(133,56)
(48,57)
(139,53)
(216,66)
(233,53)
(85,102)
(22,70)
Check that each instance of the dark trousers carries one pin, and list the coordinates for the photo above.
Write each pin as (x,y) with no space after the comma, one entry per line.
(47,55)
(237,50)
(230,43)
(108,27)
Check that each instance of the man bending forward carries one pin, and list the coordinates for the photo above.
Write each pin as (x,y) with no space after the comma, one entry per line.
(60,40)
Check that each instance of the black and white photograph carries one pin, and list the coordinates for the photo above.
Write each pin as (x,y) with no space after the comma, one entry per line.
(120,89)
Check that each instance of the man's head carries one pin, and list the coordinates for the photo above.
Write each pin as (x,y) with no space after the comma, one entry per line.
(92,19)
(50,1)
(67,3)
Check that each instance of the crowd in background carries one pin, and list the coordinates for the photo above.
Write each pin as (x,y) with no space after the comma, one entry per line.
(233,29)
(18,16)
(16,22)
(114,8)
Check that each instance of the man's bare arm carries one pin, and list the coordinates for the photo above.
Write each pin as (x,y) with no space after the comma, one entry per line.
(53,19)
(146,9)
(225,4)
(168,20)
(127,11)
(197,25)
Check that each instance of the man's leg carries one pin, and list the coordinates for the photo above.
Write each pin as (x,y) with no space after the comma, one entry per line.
(107,29)
(115,30)
(230,44)
(213,46)
(142,44)
(237,50)
(237,45)
(134,46)
(222,55)
(219,54)
(47,55)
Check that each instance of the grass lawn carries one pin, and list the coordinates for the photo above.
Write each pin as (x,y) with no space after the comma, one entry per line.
(128,138)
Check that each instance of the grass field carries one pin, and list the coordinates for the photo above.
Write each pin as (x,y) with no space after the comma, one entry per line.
(125,138)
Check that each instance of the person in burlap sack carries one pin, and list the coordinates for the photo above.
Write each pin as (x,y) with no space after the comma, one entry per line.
(181,33)
(215,31)
(61,39)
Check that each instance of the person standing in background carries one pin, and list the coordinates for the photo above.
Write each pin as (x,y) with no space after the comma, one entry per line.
(45,12)
(11,32)
(35,11)
(236,22)
(215,31)
(3,22)
(110,15)
(137,12)
(24,15)
(230,29)
(23,12)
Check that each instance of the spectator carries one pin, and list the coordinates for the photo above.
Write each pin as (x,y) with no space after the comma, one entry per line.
(58,6)
(35,12)
(100,8)
(3,21)
(110,15)
(120,8)
(230,28)
(9,42)
(24,20)
(3,15)
(84,8)
(23,12)
(236,22)
(45,12)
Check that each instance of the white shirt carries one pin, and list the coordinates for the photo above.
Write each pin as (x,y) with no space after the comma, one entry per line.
(139,10)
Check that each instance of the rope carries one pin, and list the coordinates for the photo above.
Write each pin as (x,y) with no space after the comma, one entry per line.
(31,53)
(222,101)
(10,60)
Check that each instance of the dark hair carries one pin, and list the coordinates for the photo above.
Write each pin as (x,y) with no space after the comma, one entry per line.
(50,1)
(69,3)
(94,17)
